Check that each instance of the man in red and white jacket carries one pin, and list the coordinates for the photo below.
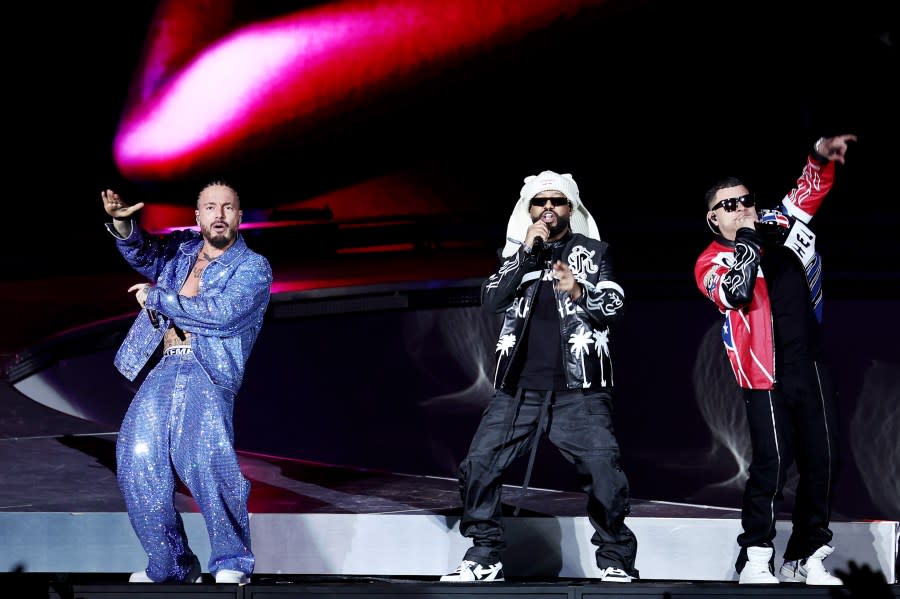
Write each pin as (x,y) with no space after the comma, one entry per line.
(763,273)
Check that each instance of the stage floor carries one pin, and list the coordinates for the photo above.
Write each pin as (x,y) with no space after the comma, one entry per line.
(315,587)
(326,529)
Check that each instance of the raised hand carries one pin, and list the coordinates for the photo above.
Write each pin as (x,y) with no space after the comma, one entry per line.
(116,207)
(834,148)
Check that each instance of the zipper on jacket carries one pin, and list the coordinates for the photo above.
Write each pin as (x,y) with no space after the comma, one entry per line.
(774,348)
(562,338)
(528,312)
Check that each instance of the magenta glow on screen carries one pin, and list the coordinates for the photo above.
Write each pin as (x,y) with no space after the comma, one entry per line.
(203,101)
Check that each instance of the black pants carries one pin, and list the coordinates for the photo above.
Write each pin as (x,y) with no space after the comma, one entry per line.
(797,419)
(579,424)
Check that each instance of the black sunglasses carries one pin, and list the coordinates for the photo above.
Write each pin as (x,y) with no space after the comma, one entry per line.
(730,204)
(556,201)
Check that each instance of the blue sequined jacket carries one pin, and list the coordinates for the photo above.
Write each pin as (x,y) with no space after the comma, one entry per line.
(224,319)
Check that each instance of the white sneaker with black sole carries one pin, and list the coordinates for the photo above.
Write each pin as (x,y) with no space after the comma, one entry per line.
(469,571)
(611,574)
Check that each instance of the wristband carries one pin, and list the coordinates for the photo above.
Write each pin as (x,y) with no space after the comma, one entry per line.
(819,155)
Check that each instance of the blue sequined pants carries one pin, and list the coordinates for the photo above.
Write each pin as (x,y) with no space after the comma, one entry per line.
(180,423)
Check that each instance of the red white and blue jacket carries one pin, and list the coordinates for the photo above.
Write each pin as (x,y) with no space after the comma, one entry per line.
(729,274)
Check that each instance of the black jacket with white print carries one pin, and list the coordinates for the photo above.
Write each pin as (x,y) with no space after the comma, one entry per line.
(583,325)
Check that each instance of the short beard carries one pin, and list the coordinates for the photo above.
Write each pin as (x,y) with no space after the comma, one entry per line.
(562,223)
(218,241)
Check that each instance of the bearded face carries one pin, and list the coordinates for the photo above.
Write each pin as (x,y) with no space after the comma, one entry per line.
(219,215)
(220,233)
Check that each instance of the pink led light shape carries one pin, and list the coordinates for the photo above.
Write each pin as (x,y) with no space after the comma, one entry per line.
(276,80)
(193,114)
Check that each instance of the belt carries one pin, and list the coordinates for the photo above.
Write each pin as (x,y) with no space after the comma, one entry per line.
(178,350)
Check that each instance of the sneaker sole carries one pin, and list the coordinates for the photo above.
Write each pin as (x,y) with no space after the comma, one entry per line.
(792,576)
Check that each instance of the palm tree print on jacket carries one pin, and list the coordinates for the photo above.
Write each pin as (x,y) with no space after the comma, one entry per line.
(581,342)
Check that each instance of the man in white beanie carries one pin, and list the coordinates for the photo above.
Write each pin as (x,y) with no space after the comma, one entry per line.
(554,375)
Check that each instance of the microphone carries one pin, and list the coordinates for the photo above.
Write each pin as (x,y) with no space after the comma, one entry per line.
(537,246)
(154,318)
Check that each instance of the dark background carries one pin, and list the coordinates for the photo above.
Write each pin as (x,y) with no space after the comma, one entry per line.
(645,103)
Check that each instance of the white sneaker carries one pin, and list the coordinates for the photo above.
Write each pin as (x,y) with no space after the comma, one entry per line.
(611,574)
(757,570)
(469,571)
(139,577)
(232,577)
(811,569)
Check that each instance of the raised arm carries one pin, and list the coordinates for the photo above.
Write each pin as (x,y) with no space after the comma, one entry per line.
(120,212)
(834,148)
(804,200)
(147,254)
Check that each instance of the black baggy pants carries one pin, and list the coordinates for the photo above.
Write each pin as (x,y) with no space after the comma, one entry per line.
(579,424)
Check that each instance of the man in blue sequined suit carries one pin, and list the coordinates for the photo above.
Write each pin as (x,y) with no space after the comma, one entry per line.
(205,303)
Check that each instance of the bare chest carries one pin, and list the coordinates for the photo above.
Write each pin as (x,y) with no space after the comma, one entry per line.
(191,285)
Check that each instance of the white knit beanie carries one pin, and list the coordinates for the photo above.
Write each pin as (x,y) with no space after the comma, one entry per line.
(580,220)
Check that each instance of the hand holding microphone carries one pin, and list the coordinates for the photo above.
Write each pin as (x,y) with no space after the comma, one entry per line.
(536,235)
(141,290)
